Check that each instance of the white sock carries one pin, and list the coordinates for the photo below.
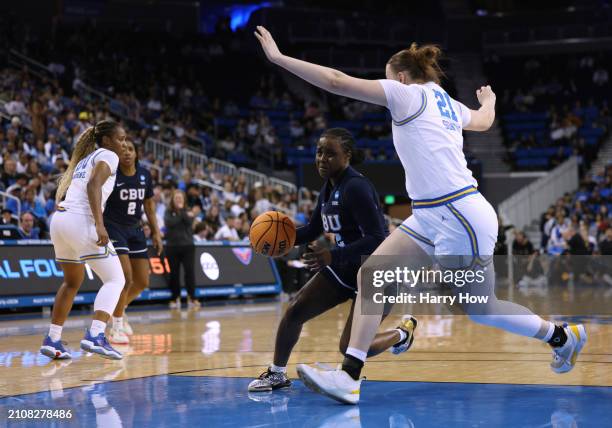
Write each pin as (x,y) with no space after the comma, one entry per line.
(55,332)
(402,334)
(118,323)
(277,369)
(97,327)
(357,353)
(549,333)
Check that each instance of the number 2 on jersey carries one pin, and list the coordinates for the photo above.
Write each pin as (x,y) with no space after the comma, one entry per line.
(445,106)
(131,208)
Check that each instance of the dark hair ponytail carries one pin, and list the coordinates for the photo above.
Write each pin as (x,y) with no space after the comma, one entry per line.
(347,141)
(420,62)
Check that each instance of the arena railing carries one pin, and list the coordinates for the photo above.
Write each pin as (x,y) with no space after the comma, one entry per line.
(210,185)
(18,60)
(253,177)
(284,185)
(223,167)
(188,157)
(150,166)
(4,196)
(531,201)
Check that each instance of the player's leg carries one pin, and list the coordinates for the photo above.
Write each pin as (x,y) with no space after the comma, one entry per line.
(141,278)
(403,334)
(140,281)
(344,385)
(136,281)
(110,273)
(174,279)
(117,335)
(74,274)
(478,221)
(189,272)
(316,297)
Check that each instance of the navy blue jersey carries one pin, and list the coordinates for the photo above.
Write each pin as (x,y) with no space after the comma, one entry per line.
(351,210)
(124,205)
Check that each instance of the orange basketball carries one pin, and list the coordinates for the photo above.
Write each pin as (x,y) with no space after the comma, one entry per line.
(272,234)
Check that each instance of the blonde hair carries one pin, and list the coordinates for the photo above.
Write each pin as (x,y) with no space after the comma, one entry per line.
(84,147)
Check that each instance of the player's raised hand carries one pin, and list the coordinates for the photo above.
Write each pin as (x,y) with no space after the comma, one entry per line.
(485,94)
(268,44)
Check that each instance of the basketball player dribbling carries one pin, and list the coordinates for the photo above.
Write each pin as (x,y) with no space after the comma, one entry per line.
(450,217)
(348,206)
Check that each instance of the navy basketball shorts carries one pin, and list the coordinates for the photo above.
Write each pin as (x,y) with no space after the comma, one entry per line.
(344,276)
(128,240)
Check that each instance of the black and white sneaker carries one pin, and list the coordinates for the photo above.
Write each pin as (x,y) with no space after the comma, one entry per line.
(408,325)
(269,381)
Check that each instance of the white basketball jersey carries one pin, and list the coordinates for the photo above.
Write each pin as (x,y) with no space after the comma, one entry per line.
(427,126)
(76,200)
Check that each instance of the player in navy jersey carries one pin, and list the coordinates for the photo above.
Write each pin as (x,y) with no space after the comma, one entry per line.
(348,207)
(133,192)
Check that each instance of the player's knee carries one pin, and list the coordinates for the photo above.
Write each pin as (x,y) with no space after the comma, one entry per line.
(295,313)
(72,285)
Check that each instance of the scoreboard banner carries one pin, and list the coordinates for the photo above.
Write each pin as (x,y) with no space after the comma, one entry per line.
(222,269)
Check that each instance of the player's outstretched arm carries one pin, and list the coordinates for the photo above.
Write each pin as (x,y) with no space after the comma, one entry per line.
(483,118)
(326,78)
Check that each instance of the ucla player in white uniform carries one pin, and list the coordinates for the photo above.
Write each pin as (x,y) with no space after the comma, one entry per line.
(450,217)
(79,236)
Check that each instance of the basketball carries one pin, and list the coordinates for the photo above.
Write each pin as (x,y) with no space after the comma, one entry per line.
(272,234)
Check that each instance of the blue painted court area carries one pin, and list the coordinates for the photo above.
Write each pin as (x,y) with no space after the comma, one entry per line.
(169,401)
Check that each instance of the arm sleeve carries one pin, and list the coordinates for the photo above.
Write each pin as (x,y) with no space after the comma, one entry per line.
(109,157)
(403,101)
(313,229)
(363,204)
(464,112)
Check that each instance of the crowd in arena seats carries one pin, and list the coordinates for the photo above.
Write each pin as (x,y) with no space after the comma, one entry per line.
(552,107)
(31,159)
(581,223)
(152,83)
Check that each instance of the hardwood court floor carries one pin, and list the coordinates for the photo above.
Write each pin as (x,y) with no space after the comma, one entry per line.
(223,346)
(237,341)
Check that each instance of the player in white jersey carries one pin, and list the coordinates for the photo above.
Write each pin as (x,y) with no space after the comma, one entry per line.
(79,236)
(450,217)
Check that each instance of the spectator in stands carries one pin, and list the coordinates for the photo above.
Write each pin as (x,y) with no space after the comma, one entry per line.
(180,249)
(521,246)
(26,226)
(202,232)
(7,218)
(554,230)
(574,242)
(32,204)
(228,232)
(605,245)
(9,173)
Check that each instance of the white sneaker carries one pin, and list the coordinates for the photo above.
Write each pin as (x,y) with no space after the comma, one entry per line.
(336,384)
(564,357)
(175,304)
(118,337)
(127,328)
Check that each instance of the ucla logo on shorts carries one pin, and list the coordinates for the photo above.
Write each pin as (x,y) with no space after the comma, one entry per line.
(337,194)
(331,223)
